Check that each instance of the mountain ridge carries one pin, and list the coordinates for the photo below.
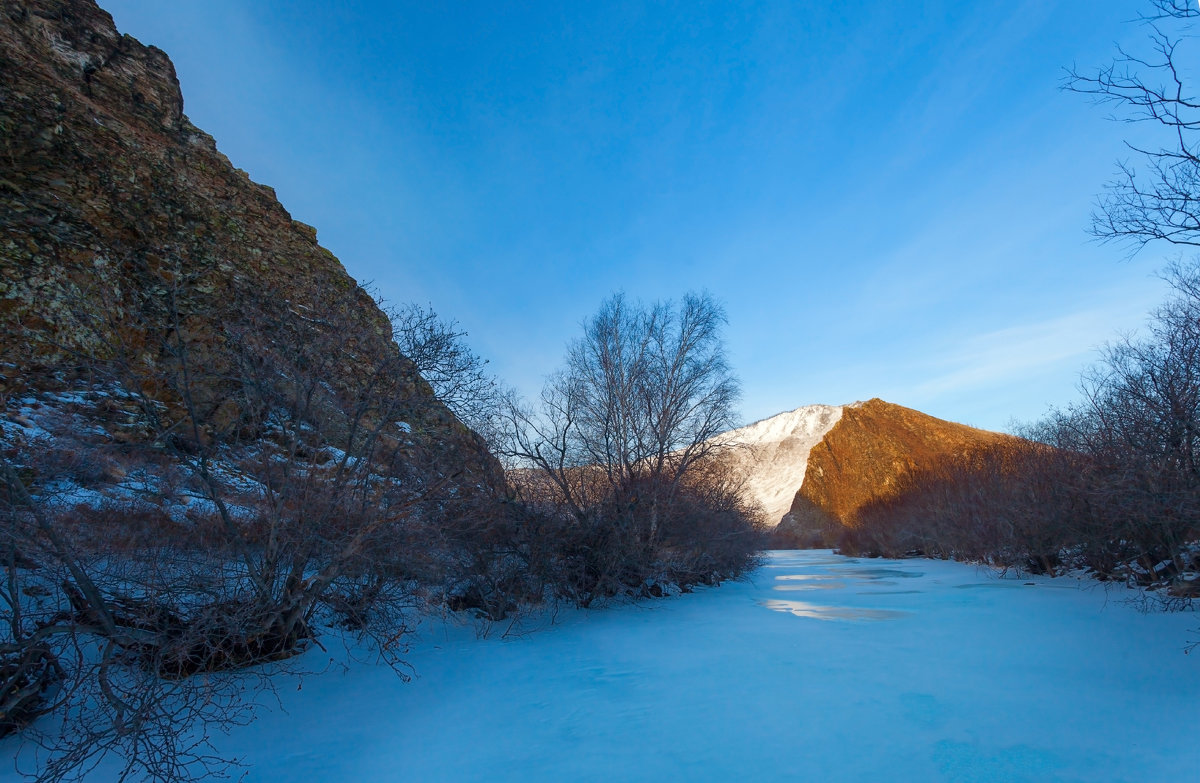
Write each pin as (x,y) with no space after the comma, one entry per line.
(812,468)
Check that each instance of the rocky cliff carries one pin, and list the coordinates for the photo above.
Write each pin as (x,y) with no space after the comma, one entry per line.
(127,238)
(860,459)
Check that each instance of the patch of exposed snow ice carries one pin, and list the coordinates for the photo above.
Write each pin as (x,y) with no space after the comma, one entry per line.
(66,493)
(776,453)
(25,428)
(818,612)
(332,455)
(69,397)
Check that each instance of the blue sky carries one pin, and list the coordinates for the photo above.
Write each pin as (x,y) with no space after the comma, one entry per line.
(890,197)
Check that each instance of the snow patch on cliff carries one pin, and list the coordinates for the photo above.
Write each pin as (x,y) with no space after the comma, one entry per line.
(775,453)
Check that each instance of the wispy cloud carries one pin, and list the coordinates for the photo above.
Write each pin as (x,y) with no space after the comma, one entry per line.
(1006,356)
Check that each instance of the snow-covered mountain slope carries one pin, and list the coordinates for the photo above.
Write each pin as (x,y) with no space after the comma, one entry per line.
(775,453)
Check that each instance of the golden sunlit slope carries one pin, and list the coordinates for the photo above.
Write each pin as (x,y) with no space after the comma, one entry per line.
(861,458)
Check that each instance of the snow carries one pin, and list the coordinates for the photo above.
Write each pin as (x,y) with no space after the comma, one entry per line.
(20,425)
(777,453)
(818,667)
(332,455)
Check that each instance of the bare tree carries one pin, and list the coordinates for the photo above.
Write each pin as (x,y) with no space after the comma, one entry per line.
(644,393)
(1139,421)
(458,375)
(624,433)
(1161,202)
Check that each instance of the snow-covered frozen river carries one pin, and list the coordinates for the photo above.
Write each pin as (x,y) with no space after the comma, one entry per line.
(818,668)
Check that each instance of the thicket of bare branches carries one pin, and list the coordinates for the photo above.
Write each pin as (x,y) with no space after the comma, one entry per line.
(218,494)
(1161,199)
(1013,506)
(1112,481)
(623,448)
(200,500)
(438,349)
(1139,424)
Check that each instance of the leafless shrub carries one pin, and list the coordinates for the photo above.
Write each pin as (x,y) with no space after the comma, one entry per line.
(286,461)
(1113,482)
(437,348)
(621,452)
(1009,506)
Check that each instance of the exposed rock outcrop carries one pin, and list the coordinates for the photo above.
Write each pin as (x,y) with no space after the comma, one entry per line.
(121,223)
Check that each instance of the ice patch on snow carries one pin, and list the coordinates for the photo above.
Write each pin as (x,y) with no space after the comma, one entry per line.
(817,612)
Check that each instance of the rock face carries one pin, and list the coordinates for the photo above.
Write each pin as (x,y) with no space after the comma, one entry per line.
(118,214)
(773,454)
(860,459)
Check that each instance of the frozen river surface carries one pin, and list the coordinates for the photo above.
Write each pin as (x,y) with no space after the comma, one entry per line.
(817,668)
